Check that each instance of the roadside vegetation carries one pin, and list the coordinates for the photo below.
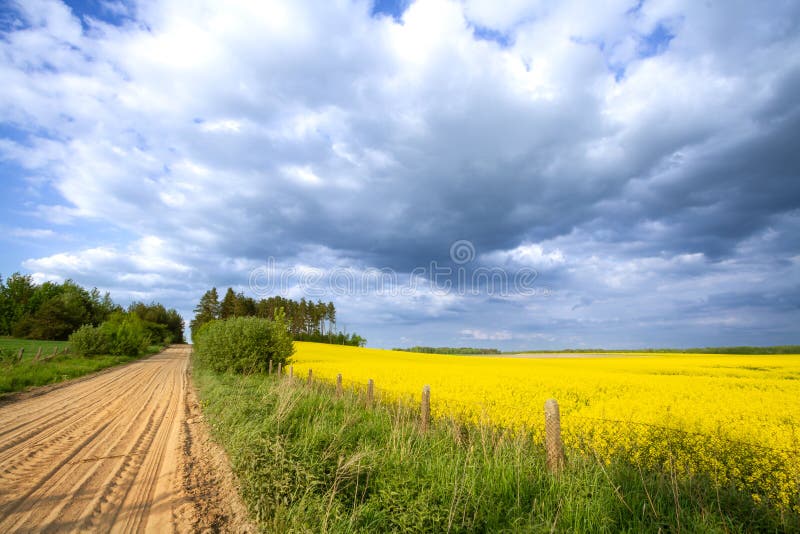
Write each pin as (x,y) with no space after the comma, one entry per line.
(64,331)
(309,461)
(18,376)
(243,344)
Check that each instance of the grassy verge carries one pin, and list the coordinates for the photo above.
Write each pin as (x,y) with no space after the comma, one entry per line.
(310,462)
(20,376)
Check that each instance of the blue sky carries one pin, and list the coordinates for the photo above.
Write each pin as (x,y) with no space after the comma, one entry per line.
(641,160)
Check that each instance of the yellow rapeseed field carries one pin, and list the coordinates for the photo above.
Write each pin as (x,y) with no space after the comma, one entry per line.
(735,419)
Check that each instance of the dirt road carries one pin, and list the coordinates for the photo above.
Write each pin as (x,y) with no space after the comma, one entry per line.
(118,452)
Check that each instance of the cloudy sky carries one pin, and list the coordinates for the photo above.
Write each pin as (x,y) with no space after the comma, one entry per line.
(638,162)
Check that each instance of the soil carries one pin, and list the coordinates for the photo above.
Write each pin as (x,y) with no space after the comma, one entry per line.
(125,450)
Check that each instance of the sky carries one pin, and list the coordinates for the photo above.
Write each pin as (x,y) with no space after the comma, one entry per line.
(518,175)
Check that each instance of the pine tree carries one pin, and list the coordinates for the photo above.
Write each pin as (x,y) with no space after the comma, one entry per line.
(228,306)
(207,310)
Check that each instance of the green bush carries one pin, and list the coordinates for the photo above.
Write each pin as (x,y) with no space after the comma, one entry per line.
(89,340)
(159,333)
(126,333)
(243,344)
(8,357)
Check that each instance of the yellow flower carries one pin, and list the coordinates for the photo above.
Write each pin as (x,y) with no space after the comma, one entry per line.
(735,418)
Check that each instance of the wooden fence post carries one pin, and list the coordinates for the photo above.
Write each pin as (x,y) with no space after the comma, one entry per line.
(552,436)
(19,354)
(425,409)
(291,371)
(279,369)
(339,385)
(370,391)
(310,377)
(270,368)
(38,355)
(55,352)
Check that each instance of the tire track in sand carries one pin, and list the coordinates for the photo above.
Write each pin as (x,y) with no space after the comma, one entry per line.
(105,454)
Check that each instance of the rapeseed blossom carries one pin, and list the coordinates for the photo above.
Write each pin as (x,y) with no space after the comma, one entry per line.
(735,419)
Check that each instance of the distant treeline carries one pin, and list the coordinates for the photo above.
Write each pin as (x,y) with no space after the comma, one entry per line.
(306,320)
(51,311)
(450,350)
(775,349)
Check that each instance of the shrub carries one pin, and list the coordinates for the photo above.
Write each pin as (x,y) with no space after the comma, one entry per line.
(8,357)
(243,344)
(126,333)
(89,340)
(159,333)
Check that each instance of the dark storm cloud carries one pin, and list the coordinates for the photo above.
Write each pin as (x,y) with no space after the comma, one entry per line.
(644,158)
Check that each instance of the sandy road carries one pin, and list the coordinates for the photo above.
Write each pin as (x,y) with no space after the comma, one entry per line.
(112,453)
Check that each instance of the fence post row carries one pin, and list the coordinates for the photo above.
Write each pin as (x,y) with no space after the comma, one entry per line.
(552,436)
(339,385)
(425,408)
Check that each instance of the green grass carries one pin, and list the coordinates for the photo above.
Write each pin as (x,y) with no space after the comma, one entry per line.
(20,376)
(309,462)
(31,346)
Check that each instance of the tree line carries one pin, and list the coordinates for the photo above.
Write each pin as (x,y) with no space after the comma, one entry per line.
(51,311)
(306,320)
(450,350)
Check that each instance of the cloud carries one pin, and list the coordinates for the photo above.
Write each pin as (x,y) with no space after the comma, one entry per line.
(481,335)
(32,233)
(146,256)
(642,147)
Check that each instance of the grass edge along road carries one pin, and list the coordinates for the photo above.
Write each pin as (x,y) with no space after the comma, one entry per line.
(27,374)
(309,461)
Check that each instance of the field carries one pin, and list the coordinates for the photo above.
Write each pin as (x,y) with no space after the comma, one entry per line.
(30,346)
(732,419)
(17,376)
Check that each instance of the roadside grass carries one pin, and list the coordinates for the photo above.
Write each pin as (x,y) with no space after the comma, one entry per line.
(308,461)
(20,376)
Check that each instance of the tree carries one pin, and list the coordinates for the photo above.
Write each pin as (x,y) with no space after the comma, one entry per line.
(207,310)
(17,293)
(102,307)
(58,316)
(305,320)
(244,306)
(228,306)
(161,322)
(331,315)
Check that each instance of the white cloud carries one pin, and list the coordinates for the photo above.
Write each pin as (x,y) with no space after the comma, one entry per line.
(483,335)
(149,255)
(32,233)
(531,255)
